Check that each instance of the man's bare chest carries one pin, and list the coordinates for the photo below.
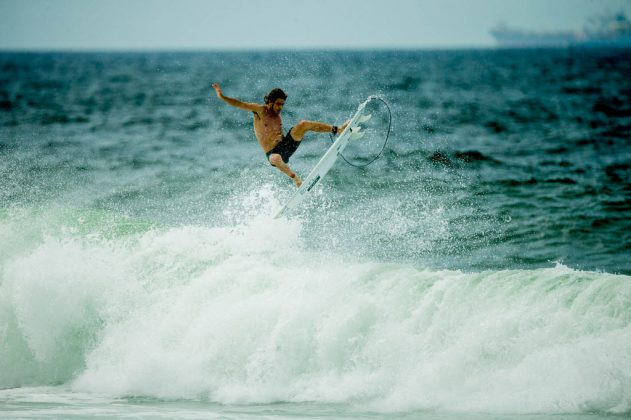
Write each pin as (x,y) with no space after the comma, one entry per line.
(268,124)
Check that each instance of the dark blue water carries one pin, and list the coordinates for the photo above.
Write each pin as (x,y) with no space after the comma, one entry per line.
(487,251)
(525,154)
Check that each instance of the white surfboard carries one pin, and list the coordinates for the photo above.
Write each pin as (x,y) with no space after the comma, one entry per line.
(352,131)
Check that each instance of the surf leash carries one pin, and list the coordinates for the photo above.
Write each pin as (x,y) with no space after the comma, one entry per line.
(385,142)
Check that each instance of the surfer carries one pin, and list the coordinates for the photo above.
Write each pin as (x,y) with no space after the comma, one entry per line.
(268,128)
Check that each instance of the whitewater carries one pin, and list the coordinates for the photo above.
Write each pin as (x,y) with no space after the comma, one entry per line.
(242,315)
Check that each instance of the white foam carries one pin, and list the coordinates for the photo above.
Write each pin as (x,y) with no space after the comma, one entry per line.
(246,314)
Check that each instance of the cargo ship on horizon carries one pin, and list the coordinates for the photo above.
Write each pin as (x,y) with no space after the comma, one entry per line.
(605,31)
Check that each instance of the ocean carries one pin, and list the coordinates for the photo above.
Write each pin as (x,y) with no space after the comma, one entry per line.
(479,269)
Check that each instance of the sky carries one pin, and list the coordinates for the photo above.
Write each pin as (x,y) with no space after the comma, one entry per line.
(282,24)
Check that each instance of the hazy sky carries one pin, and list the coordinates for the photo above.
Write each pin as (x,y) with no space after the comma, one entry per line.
(249,24)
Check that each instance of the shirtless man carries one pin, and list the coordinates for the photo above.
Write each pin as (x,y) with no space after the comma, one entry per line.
(268,128)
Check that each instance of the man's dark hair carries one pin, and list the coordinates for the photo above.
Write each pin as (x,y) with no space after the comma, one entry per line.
(274,94)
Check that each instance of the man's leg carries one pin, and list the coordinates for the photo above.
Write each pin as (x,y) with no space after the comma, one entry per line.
(299,130)
(276,160)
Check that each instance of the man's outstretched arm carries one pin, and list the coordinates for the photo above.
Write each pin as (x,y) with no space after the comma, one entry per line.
(237,103)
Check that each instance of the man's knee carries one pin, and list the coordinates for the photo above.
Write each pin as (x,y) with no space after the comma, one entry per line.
(299,130)
(275,159)
(302,125)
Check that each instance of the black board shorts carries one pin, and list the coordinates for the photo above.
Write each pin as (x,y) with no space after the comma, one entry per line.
(285,148)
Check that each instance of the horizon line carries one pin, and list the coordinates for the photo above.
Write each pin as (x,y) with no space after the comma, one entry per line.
(78,50)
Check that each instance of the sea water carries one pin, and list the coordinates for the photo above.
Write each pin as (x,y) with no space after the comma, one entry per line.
(478,269)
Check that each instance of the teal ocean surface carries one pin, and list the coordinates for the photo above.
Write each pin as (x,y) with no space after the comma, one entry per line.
(479,269)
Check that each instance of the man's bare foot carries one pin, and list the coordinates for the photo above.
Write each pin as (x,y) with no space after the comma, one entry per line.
(339,130)
(297,181)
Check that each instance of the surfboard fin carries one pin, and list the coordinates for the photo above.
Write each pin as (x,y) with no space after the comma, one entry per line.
(356,129)
(364,118)
(356,135)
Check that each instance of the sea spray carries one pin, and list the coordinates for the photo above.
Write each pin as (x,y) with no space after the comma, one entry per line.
(235,315)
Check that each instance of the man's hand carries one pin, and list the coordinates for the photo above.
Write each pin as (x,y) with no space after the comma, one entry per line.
(217,90)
